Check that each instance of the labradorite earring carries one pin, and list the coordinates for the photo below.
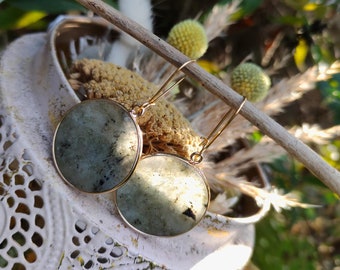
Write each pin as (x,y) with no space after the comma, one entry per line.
(98,143)
(166,194)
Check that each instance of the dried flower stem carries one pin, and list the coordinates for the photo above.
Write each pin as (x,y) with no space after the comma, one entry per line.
(326,173)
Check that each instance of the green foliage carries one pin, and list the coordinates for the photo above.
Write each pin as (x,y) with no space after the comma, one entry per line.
(330,89)
(290,240)
(13,18)
(298,239)
(331,153)
(51,7)
(246,7)
(16,14)
(277,249)
(255,137)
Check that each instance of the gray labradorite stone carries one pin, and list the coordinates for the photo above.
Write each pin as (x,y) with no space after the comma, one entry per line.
(97,146)
(165,196)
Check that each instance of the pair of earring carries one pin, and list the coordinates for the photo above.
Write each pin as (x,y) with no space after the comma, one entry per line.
(97,148)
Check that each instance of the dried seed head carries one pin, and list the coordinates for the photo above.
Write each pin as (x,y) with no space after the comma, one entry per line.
(250,81)
(164,128)
(190,38)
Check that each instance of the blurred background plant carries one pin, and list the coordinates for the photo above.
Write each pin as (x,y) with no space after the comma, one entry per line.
(287,38)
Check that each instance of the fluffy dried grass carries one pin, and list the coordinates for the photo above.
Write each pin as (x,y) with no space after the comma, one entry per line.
(219,19)
(314,134)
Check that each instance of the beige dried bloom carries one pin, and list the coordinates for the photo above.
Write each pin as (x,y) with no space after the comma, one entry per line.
(164,128)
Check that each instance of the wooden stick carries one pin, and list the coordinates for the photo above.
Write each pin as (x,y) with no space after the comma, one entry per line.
(327,174)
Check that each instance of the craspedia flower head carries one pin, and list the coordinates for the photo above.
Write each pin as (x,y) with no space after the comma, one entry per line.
(189,37)
(250,81)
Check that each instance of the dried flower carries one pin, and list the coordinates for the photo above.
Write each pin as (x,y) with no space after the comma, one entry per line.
(189,37)
(265,198)
(165,128)
(250,81)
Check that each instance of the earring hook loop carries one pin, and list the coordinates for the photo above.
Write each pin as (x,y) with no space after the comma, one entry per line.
(197,157)
(139,110)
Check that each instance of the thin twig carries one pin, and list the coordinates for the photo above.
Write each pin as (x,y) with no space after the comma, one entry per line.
(327,174)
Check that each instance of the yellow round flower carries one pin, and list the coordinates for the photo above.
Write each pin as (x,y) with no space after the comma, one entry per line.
(250,81)
(189,37)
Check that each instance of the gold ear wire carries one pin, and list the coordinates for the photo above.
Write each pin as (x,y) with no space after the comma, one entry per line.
(139,110)
(197,157)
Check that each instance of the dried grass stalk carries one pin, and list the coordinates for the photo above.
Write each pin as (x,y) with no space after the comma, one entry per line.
(280,95)
(263,197)
(314,134)
(219,19)
(287,91)
(263,152)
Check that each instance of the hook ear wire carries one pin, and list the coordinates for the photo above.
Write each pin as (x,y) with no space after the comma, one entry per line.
(139,110)
(161,92)
(196,157)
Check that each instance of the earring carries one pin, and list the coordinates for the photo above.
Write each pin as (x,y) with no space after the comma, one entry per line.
(98,143)
(168,195)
